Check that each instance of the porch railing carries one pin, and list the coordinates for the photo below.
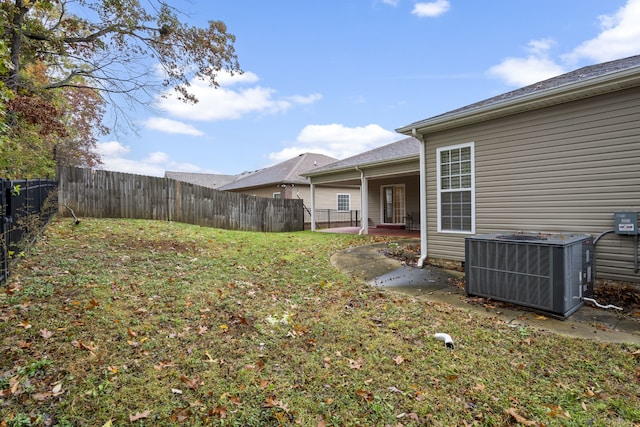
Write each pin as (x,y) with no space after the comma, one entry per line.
(331,218)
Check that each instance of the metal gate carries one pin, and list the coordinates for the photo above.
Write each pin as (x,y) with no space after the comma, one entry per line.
(24,205)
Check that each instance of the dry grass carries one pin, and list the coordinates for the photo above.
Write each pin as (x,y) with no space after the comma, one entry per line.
(116,322)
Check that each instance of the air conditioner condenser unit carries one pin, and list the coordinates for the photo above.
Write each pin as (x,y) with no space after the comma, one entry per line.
(546,272)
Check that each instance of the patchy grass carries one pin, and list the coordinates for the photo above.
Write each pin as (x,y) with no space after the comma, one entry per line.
(115,322)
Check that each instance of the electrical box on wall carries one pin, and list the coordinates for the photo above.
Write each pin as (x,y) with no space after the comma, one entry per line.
(626,223)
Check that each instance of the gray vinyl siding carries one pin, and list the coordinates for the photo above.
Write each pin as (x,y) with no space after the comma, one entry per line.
(327,197)
(566,168)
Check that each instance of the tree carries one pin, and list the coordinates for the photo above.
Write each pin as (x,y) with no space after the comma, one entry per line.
(61,56)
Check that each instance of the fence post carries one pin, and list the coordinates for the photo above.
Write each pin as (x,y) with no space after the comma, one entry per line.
(4,264)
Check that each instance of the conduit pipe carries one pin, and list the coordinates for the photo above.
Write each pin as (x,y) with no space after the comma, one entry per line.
(600,305)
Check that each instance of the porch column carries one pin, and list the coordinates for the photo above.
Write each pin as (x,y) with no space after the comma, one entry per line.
(313,206)
(364,204)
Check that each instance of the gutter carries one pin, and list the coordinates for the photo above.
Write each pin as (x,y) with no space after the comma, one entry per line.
(423,198)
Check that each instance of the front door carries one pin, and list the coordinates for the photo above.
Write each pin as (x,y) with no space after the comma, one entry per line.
(393,206)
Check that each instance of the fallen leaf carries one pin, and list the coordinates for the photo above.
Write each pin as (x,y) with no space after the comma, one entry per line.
(57,389)
(398,360)
(220,411)
(519,418)
(41,396)
(355,364)
(92,304)
(45,334)
(479,387)
(180,415)
(139,416)
(25,325)
(191,383)
(367,396)
(88,347)
(162,365)
(202,330)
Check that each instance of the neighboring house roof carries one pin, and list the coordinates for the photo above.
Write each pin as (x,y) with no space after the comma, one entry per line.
(287,172)
(399,150)
(203,179)
(581,83)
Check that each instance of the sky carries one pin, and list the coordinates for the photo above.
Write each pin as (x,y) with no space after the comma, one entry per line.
(337,77)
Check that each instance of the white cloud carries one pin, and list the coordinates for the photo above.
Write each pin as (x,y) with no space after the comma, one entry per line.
(112,149)
(537,66)
(114,158)
(171,126)
(228,102)
(432,9)
(619,36)
(336,140)
(390,2)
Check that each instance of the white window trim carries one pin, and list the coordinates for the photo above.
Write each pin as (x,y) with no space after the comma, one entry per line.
(404,207)
(338,205)
(473,187)
(277,195)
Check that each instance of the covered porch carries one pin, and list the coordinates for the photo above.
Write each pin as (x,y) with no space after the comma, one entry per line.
(401,233)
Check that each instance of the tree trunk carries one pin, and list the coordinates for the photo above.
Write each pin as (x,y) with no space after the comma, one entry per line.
(15,45)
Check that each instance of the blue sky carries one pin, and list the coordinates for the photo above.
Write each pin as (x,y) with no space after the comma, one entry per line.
(338,76)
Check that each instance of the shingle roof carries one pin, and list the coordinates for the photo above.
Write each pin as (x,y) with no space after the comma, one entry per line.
(287,172)
(405,148)
(203,179)
(563,81)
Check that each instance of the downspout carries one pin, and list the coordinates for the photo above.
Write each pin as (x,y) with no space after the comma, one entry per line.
(312,188)
(364,203)
(423,198)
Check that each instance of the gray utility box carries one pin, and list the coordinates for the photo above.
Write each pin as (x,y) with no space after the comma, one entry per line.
(546,272)
(626,223)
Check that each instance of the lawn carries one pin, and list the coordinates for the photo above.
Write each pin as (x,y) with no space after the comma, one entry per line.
(122,322)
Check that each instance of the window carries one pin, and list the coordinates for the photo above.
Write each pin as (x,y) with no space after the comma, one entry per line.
(344,202)
(456,188)
(277,195)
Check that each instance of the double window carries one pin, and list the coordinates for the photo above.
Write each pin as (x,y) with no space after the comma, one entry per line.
(456,188)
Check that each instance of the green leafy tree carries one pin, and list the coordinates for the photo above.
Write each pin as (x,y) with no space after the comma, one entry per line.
(62,62)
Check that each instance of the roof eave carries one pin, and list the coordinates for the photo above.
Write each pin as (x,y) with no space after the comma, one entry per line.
(603,84)
(363,166)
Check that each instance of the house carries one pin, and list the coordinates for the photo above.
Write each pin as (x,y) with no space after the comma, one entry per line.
(214,181)
(389,179)
(558,156)
(335,204)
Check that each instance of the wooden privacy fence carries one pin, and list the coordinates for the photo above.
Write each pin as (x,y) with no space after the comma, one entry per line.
(106,194)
